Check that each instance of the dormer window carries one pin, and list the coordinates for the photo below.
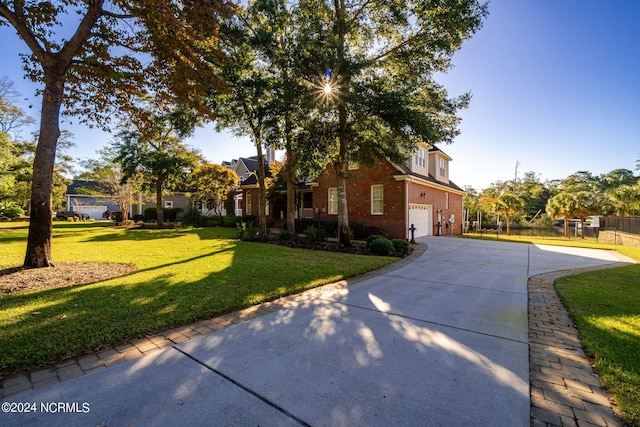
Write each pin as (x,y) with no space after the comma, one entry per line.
(443,167)
(420,158)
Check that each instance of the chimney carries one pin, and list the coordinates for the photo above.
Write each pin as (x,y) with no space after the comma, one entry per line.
(270,155)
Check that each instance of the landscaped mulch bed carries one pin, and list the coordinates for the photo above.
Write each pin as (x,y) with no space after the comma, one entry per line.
(19,279)
(357,247)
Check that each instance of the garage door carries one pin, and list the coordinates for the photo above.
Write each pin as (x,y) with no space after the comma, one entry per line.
(421,216)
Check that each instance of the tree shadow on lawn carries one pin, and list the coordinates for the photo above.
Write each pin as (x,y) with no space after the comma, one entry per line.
(139,234)
(52,325)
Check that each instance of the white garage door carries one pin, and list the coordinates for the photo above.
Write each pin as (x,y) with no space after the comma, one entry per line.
(421,216)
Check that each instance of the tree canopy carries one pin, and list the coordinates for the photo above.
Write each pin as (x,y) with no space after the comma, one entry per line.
(96,58)
(158,156)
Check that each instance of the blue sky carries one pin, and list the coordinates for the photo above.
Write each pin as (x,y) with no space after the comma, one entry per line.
(555,84)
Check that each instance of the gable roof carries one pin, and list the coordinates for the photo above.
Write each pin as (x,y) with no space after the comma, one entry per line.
(405,170)
(252,179)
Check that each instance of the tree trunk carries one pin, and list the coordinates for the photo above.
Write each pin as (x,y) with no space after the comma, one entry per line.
(262,196)
(291,194)
(159,211)
(344,233)
(566,226)
(41,223)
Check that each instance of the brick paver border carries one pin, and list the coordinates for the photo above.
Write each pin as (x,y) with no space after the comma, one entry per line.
(564,389)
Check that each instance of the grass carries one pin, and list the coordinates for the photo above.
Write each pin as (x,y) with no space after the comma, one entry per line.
(605,306)
(183,275)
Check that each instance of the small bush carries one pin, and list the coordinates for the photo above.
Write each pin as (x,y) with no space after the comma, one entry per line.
(128,222)
(313,234)
(214,221)
(284,235)
(374,237)
(380,246)
(401,246)
(193,218)
(138,218)
(12,211)
(230,221)
(246,230)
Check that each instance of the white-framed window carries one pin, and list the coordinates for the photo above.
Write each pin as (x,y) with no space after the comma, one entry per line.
(377,202)
(353,165)
(248,204)
(443,167)
(168,204)
(420,158)
(333,201)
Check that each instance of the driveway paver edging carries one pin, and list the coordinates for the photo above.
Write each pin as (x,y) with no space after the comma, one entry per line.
(565,390)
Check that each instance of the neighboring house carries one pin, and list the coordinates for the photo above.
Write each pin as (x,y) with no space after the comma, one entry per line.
(385,195)
(247,169)
(173,200)
(87,197)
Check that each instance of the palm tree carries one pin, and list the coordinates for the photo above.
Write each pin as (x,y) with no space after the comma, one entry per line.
(587,203)
(509,203)
(625,199)
(562,205)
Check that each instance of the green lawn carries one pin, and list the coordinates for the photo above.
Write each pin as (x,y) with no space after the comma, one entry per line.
(606,308)
(182,276)
(605,305)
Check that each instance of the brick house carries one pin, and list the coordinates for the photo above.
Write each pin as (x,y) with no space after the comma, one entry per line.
(384,195)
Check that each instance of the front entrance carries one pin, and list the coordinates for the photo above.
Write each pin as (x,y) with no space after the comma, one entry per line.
(421,216)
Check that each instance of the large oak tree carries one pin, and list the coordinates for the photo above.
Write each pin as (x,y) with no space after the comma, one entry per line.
(373,63)
(92,55)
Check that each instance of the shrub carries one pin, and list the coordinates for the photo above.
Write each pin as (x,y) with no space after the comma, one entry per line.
(138,218)
(128,222)
(374,237)
(380,246)
(284,235)
(168,214)
(231,221)
(193,218)
(213,221)
(313,234)
(246,230)
(150,214)
(401,246)
(12,211)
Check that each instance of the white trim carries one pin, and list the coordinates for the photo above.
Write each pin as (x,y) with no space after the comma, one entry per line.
(421,181)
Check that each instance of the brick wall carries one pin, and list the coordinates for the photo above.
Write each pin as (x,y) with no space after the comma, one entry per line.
(359,182)
(394,217)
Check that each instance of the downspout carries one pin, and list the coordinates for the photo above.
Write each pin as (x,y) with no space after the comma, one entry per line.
(406,209)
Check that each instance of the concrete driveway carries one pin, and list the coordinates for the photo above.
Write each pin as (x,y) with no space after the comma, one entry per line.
(439,341)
